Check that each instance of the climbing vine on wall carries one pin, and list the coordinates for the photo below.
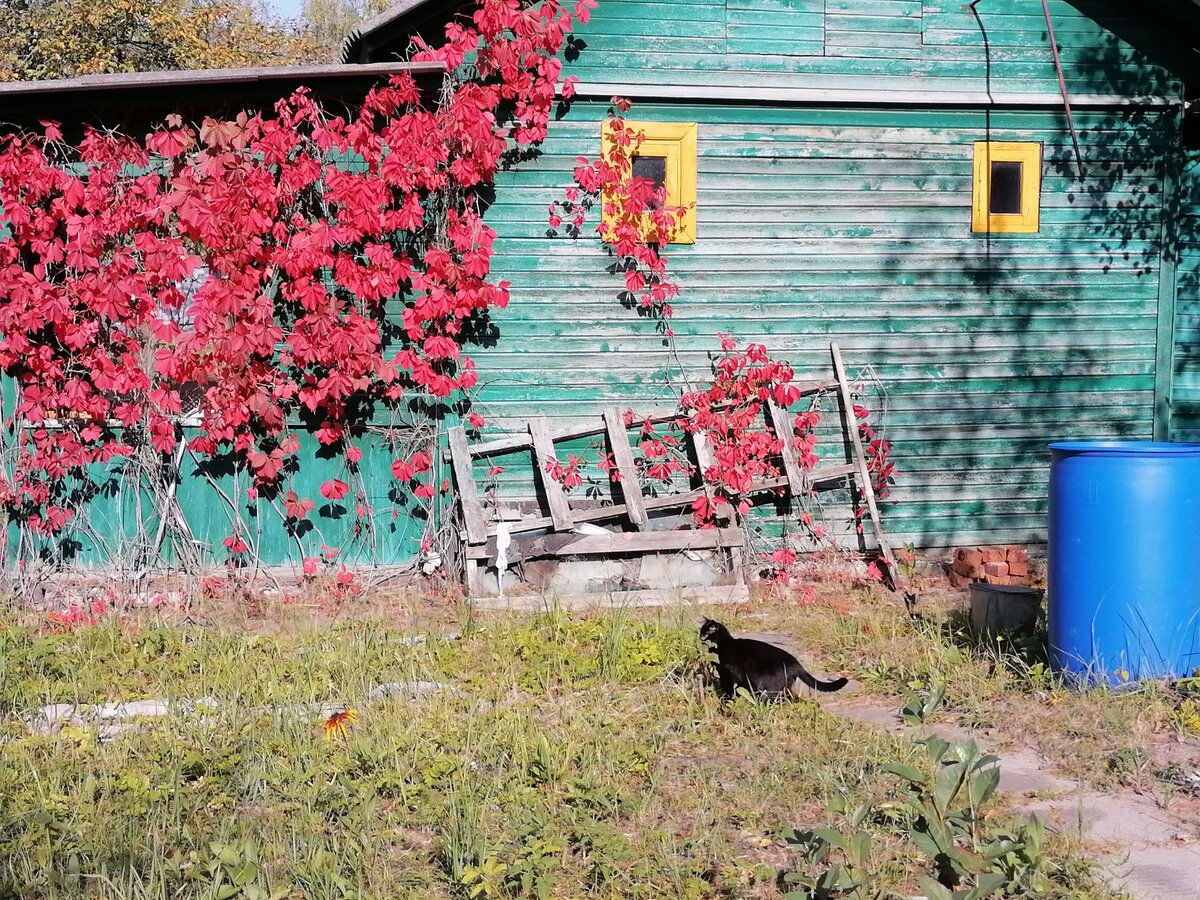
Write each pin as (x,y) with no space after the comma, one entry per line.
(635,227)
(636,221)
(345,263)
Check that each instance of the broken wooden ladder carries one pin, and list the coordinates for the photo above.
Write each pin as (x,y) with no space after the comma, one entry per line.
(560,522)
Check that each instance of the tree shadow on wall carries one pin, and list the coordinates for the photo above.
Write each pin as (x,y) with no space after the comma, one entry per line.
(1039,337)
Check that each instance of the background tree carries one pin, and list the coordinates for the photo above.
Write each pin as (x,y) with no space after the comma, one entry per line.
(64,38)
(329,21)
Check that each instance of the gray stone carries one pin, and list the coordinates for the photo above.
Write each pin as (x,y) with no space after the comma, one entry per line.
(867,714)
(488,582)
(55,712)
(50,718)
(416,639)
(412,689)
(673,570)
(132,709)
(582,575)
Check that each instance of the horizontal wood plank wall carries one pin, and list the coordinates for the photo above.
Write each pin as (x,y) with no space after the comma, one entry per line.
(846,224)
(875,45)
(1185,387)
(124,515)
(854,225)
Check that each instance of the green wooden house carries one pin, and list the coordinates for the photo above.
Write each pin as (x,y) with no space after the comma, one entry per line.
(896,175)
(899,176)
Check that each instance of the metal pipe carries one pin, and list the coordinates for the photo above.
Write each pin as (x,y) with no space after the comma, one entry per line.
(1062,84)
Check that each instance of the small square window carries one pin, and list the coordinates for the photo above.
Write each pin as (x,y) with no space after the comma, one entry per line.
(666,156)
(1004,194)
(652,168)
(1007,187)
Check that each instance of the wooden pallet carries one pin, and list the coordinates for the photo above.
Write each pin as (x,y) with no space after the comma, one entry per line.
(560,520)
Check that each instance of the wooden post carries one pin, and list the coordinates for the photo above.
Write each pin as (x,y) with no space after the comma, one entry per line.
(791,466)
(631,488)
(468,496)
(543,453)
(864,474)
(704,459)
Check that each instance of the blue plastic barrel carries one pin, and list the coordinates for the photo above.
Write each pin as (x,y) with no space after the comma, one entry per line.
(1124,554)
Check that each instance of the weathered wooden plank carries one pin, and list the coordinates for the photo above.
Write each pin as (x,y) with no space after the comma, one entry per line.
(910,23)
(1178,386)
(806,44)
(654,542)
(866,487)
(520,442)
(832,473)
(618,542)
(898,8)
(775,8)
(543,453)
(783,431)
(618,439)
(820,476)
(468,496)
(652,11)
(1105,121)
(705,461)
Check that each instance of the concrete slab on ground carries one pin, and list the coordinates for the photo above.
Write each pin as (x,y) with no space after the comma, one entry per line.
(1145,850)
(1158,873)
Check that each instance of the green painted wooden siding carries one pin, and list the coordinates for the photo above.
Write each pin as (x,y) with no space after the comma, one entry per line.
(123,515)
(867,44)
(848,224)
(854,225)
(1185,388)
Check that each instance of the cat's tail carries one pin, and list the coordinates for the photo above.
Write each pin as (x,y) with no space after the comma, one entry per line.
(817,684)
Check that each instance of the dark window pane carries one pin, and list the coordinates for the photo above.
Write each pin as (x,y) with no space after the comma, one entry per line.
(652,168)
(1005,197)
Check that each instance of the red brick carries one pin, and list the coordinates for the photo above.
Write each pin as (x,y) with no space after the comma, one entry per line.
(995,569)
(959,581)
(993,554)
(971,556)
(1018,567)
(967,571)
(1018,555)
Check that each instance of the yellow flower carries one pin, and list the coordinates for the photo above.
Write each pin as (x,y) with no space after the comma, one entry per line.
(338,724)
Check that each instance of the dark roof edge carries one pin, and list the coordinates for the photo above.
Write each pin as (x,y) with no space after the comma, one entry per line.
(404,16)
(198,77)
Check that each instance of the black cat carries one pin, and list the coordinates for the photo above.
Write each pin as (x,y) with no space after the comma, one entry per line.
(757,666)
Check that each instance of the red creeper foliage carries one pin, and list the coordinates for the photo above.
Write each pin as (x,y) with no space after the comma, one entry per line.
(306,229)
(636,224)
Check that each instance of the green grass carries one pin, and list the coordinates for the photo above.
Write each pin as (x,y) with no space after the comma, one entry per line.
(583,758)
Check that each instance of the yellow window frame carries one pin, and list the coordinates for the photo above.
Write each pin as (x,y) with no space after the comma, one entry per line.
(1029,154)
(676,143)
